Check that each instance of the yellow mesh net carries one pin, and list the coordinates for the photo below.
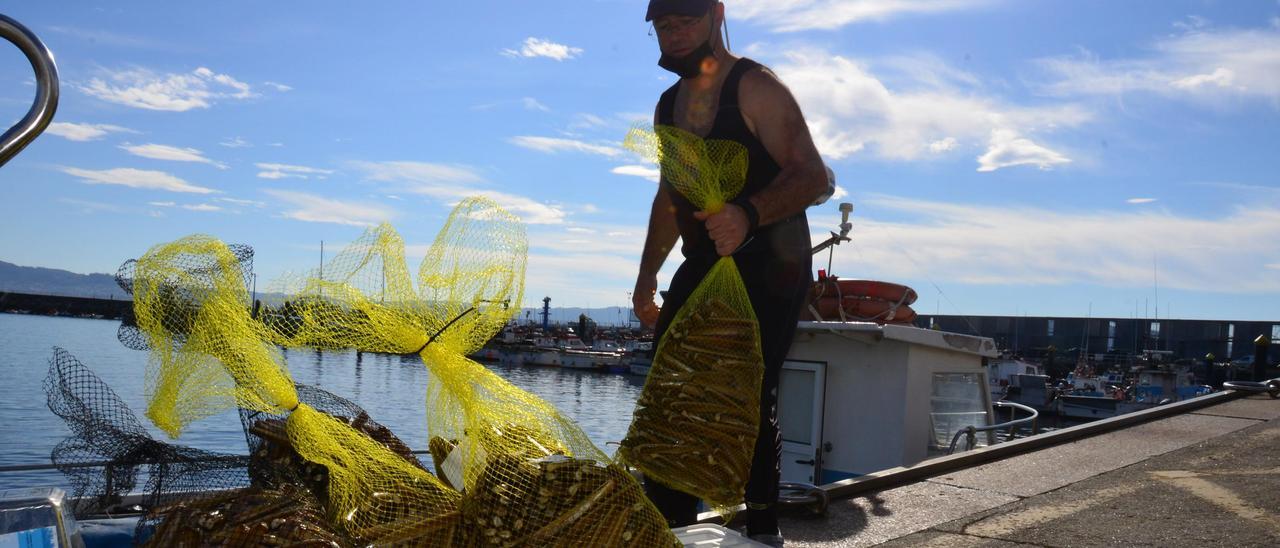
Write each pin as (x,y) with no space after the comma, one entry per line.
(707,172)
(697,417)
(210,356)
(513,470)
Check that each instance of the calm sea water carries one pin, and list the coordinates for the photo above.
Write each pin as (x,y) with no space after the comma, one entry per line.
(390,388)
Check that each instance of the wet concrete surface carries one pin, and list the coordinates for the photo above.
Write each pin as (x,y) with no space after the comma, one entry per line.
(1209,478)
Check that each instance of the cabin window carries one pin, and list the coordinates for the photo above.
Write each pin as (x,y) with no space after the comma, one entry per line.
(957,402)
(1049,331)
(1275,334)
(1155,330)
(797,385)
(1111,336)
(1231,340)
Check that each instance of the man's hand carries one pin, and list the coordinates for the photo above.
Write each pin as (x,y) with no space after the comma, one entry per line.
(728,228)
(642,300)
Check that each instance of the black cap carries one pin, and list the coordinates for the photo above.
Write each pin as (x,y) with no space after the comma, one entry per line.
(658,8)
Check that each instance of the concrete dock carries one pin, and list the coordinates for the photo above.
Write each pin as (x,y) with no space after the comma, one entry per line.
(1210,477)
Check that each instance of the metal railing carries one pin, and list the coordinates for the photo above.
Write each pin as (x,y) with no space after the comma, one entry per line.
(1271,387)
(100,464)
(46,102)
(971,432)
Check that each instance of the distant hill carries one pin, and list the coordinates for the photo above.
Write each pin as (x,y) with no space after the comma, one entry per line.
(48,281)
(612,315)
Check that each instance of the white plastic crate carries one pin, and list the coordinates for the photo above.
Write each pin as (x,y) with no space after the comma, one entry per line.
(712,536)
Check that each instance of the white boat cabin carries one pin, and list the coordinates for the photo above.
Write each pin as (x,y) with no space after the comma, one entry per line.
(857,398)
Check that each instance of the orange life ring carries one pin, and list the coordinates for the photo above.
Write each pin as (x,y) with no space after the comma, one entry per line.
(887,291)
(862,309)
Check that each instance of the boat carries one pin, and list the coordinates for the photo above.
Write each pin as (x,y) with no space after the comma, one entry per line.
(1004,372)
(1109,395)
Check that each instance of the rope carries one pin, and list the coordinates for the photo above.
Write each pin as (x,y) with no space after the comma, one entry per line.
(442,330)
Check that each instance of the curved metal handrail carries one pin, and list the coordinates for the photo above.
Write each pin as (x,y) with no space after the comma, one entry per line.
(971,432)
(806,495)
(1271,387)
(46,102)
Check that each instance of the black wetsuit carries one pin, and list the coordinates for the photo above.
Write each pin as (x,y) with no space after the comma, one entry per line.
(775,267)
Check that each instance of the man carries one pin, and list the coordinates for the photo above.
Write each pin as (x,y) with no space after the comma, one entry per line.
(722,96)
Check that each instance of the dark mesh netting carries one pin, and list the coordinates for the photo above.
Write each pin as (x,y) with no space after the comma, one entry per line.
(129,335)
(104,430)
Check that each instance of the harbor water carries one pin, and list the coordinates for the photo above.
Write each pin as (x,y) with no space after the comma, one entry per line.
(391,388)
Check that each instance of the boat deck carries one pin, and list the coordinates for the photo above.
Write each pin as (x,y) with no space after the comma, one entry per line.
(1207,477)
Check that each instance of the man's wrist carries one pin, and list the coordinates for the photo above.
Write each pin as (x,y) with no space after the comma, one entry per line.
(749,209)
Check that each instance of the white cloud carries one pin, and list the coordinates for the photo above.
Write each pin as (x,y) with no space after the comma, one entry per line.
(1192,22)
(136,178)
(589,208)
(162,204)
(1274,266)
(1221,77)
(84,132)
(580,230)
(453,183)
(838,194)
(533,104)
(850,110)
(553,145)
(647,172)
(1204,65)
(278,87)
(283,171)
(1028,245)
(316,209)
(529,210)
(174,92)
(538,47)
(87,206)
(587,121)
(1008,149)
(944,145)
(797,15)
(601,280)
(418,172)
(1140,200)
(201,207)
(236,142)
(169,153)
(239,202)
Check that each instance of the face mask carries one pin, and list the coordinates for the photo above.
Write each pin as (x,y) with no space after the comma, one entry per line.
(689,66)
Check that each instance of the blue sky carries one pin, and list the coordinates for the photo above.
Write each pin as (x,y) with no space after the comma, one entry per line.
(1003,156)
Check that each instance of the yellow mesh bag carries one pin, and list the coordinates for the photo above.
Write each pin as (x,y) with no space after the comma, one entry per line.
(697,417)
(210,356)
(527,474)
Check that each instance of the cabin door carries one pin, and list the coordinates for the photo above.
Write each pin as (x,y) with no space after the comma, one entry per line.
(801,389)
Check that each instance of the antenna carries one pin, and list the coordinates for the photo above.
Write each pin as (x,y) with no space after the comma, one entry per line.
(836,239)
